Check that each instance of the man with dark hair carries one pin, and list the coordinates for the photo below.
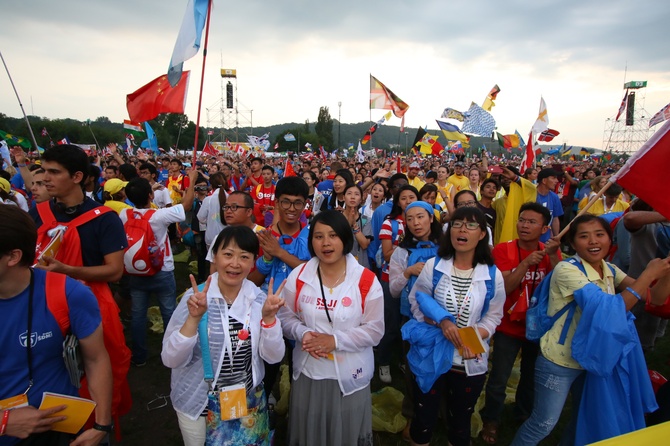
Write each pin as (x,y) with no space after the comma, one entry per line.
(326,184)
(610,202)
(488,191)
(111,171)
(91,250)
(161,195)
(547,180)
(524,262)
(253,174)
(163,283)
(264,197)
(31,295)
(177,181)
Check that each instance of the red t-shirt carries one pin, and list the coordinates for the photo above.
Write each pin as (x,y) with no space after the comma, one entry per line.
(507,257)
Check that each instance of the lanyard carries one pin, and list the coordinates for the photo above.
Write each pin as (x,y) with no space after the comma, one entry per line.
(29,338)
(323,296)
(532,289)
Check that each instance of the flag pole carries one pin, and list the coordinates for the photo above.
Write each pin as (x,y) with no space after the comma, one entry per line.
(202,81)
(88,122)
(590,203)
(30,129)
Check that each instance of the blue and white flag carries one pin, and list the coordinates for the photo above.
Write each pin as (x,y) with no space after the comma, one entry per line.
(4,153)
(289,137)
(359,153)
(152,140)
(188,40)
(478,121)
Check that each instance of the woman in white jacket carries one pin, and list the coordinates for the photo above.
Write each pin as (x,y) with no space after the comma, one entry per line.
(465,264)
(231,322)
(335,312)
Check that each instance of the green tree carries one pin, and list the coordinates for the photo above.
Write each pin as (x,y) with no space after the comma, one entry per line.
(324,127)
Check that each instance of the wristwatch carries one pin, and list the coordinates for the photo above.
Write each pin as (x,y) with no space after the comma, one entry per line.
(103,427)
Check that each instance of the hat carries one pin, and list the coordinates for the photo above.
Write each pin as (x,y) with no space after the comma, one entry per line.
(114,186)
(546,173)
(421,204)
(4,185)
(459,164)
(199,163)
(414,165)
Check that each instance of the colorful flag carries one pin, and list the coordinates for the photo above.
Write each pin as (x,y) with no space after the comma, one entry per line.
(188,40)
(157,97)
(288,169)
(132,127)
(276,146)
(359,153)
(488,102)
(565,150)
(289,137)
(478,121)
(322,151)
(508,141)
(382,97)
(229,146)
(548,135)
(419,135)
(210,132)
(428,145)
(240,150)
(44,131)
(152,139)
(457,148)
(209,149)
(13,140)
(622,107)
(528,160)
(661,116)
(542,121)
(522,143)
(308,146)
(644,168)
(453,133)
(65,140)
(584,152)
(450,113)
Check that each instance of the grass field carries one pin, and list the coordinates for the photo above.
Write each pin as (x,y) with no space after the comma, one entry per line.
(148,424)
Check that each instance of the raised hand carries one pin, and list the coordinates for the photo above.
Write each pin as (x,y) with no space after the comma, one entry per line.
(273,303)
(197,303)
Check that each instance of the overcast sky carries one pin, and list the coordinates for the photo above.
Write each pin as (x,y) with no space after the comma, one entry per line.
(79,59)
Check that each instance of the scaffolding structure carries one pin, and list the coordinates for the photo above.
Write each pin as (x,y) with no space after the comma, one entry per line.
(627,134)
(232,118)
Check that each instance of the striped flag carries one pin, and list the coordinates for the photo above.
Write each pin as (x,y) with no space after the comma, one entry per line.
(548,135)
(382,97)
(622,107)
(478,121)
(188,39)
(661,116)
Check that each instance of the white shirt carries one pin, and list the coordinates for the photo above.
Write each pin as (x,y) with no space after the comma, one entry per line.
(210,215)
(162,197)
(159,222)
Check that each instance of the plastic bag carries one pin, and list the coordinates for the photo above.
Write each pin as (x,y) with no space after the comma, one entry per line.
(387,410)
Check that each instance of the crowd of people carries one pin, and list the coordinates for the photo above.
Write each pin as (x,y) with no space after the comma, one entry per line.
(339,267)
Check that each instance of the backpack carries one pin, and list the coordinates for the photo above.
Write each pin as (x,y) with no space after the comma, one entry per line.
(538,322)
(422,252)
(364,285)
(613,218)
(490,284)
(143,257)
(379,255)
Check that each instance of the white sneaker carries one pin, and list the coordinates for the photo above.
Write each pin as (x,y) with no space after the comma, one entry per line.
(385,374)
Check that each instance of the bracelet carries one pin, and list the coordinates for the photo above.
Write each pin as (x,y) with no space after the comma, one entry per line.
(103,427)
(5,419)
(267,262)
(21,164)
(634,293)
(263,325)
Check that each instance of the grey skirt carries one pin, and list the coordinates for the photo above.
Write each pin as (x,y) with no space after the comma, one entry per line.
(320,415)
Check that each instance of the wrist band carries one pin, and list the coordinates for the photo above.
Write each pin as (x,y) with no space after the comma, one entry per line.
(267,262)
(5,419)
(263,325)
(21,164)
(634,293)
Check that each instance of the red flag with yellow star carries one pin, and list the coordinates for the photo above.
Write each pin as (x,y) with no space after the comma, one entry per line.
(157,97)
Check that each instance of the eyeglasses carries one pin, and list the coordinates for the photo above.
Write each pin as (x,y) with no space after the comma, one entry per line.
(522,221)
(469,225)
(286,204)
(233,207)
(466,204)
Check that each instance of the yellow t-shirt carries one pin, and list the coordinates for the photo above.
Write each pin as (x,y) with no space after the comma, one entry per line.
(460,182)
(565,280)
(598,208)
(446,189)
(118,206)
(416,182)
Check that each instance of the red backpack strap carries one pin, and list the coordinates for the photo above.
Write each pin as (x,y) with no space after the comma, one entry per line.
(364,285)
(88,216)
(57,301)
(298,287)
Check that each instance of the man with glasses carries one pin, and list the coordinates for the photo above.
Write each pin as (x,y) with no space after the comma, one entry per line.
(524,262)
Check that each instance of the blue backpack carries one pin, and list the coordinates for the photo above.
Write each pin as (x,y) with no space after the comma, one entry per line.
(422,252)
(538,322)
(490,284)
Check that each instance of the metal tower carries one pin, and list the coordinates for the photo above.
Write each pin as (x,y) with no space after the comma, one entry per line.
(627,134)
(231,116)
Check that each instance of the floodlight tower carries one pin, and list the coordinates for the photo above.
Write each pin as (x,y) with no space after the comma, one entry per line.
(228,113)
(631,130)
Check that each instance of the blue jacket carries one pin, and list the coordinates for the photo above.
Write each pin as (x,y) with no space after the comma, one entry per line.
(430,353)
(617,390)
(278,269)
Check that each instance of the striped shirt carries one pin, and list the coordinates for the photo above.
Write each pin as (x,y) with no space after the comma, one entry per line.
(460,281)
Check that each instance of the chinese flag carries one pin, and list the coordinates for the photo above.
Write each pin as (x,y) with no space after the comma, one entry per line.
(157,97)
(209,149)
(288,171)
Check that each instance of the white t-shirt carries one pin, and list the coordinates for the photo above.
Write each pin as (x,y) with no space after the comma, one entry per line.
(159,222)
(162,198)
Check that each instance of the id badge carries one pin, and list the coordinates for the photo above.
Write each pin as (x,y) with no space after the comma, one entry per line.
(233,401)
(14,402)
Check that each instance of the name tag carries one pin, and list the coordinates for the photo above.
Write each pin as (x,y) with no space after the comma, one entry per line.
(14,402)
(233,400)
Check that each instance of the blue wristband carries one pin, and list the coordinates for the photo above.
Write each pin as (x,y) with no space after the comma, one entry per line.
(634,293)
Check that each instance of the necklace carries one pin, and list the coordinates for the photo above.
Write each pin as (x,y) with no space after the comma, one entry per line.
(337,282)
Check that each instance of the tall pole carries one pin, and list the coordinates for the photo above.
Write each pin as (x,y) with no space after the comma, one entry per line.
(202,81)
(30,129)
(339,122)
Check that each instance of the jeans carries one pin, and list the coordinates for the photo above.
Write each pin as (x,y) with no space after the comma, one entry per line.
(391,327)
(505,350)
(163,285)
(552,385)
